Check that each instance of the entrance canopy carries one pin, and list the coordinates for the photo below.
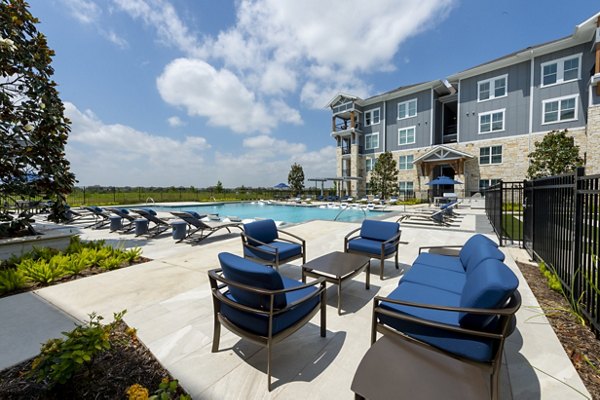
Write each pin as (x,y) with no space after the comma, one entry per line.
(442,155)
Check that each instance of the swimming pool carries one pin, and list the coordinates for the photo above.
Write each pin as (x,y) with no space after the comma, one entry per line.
(291,214)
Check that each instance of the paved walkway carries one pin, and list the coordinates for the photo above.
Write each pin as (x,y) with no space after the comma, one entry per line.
(168,301)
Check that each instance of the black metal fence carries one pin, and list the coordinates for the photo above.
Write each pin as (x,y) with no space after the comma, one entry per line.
(560,226)
(504,208)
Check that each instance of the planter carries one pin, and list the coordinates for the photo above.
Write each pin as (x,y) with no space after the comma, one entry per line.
(54,238)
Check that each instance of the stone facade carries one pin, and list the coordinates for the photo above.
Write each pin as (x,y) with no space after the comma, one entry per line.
(592,165)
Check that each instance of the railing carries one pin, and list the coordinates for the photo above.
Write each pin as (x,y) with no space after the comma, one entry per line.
(504,209)
(346,150)
(560,226)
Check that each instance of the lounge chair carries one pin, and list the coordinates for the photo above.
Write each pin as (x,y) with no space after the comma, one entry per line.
(102,218)
(204,229)
(262,243)
(258,304)
(160,225)
(123,213)
(377,239)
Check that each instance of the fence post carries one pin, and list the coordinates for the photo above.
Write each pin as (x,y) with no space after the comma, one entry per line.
(577,228)
(84,195)
(499,208)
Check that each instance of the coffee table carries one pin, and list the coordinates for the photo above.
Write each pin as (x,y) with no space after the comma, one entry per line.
(337,267)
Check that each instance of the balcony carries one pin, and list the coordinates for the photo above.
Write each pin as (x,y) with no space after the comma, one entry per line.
(346,150)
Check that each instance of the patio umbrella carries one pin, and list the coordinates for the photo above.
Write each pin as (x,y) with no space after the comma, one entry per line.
(281,186)
(443,180)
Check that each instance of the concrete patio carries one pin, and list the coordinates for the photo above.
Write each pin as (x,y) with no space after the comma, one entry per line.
(168,300)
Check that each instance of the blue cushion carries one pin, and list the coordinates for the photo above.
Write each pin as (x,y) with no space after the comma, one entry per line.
(259,324)
(488,286)
(378,230)
(248,273)
(482,253)
(440,261)
(124,211)
(480,349)
(194,214)
(473,243)
(370,246)
(286,250)
(435,277)
(264,230)
(149,211)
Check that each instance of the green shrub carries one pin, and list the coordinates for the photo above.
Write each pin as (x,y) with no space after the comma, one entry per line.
(110,263)
(42,253)
(41,271)
(59,359)
(552,278)
(10,280)
(132,255)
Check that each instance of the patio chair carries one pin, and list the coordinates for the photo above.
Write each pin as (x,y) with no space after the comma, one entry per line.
(160,225)
(261,243)
(258,304)
(102,218)
(123,213)
(376,239)
(197,226)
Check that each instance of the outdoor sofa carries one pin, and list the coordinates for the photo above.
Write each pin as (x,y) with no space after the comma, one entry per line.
(443,327)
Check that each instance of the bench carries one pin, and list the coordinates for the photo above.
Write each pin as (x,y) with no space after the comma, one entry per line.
(448,317)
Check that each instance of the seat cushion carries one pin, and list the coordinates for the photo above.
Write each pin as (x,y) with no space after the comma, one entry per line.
(378,230)
(195,214)
(371,247)
(472,244)
(489,285)
(286,251)
(259,324)
(436,278)
(480,254)
(263,230)
(449,263)
(249,273)
(479,349)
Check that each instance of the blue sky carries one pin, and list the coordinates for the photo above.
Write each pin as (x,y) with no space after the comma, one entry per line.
(185,93)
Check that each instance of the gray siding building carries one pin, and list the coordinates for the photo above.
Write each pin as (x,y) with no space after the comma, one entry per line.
(476,126)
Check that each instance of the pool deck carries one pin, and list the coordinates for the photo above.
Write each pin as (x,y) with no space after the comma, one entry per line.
(169,301)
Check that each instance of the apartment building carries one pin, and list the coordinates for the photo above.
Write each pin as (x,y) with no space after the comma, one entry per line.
(479,125)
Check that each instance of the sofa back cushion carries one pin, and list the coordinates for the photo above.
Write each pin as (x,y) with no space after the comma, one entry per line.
(378,230)
(249,273)
(263,230)
(474,242)
(489,286)
(481,254)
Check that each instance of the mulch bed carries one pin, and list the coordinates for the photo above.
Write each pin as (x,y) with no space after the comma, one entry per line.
(578,341)
(110,374)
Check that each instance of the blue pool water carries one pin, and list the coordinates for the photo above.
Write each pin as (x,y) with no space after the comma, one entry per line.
(289,214)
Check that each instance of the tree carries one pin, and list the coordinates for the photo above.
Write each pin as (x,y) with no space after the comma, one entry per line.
(296,178)
(384,177)
(556,154)
(33,128)
(219,187)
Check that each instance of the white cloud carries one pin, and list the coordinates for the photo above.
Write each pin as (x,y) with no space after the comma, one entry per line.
(115,154)
(272,146)
(318,45)
(85,11)
(175,121)
(218,95)
(116,39)
(162,16)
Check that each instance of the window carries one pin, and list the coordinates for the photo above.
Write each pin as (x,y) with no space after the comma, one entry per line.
(406,135)
(560,110)
(486,183)
(372,117)
(490,155)
(491,88)
(407,109)
(372,141)
(406,162)
(370,164)
(406,187)
(560,71)
(492,121)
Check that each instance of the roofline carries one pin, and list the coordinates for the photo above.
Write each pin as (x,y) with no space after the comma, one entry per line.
(437,147)
(340,94)
(576,38)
